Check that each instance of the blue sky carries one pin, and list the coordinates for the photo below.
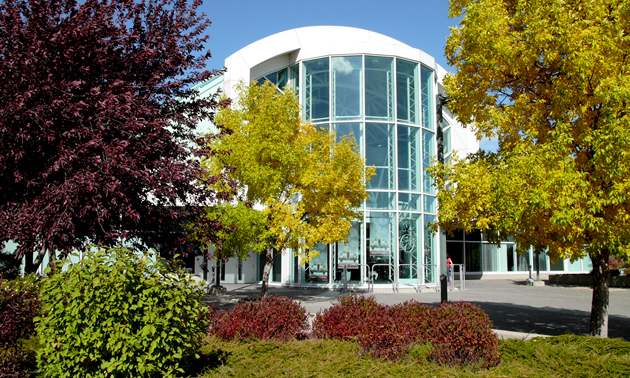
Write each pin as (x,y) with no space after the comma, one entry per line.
(423,24)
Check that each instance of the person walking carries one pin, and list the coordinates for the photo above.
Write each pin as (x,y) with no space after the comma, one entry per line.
(449,265)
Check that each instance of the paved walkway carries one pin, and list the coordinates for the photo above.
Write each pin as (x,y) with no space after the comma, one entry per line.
(511,305)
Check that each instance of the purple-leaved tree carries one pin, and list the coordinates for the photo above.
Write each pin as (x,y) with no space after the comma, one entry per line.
(97,121)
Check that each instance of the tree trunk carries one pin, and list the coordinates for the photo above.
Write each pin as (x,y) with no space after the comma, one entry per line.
(599,304)
(39,259)
(217,274)
(269,258)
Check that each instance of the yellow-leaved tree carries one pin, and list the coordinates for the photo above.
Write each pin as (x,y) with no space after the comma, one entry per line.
(549,80)
(305,185)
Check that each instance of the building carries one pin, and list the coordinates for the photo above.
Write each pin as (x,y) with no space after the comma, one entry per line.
(383,92)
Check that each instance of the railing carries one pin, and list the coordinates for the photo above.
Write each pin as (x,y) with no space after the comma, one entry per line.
(462,276)
(372,274)
(417,287)
(344,268)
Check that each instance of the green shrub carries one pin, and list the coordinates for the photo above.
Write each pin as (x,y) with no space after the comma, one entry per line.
(119,313)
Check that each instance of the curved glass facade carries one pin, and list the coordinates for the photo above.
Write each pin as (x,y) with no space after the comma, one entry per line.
(385,104)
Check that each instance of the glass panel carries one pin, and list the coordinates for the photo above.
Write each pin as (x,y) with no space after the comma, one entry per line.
(295,271)
(575,266)
(428,153)
(353,130)
(317,271)
(447,141)
(379,88)
(542,262)
(473,235)
(455,250)
(558,266)
(295,77)
(427,98)
(409,158)
(381,245)
(316,97)
(406,91)
(430,251)
(347,76)
(350,256)
(473,257)
(588,264)
(490,258)
(507,258)
(429,204)
(379,152)
(409,202)
(409,231)
(276,272)
(381,201)
(523,262)
(458,234)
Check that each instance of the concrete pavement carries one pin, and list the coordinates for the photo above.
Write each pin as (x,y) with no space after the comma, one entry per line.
(517,310)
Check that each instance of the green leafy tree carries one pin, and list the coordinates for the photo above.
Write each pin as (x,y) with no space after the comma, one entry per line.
(305,186)
(241,227)
(118,313)
(548,79)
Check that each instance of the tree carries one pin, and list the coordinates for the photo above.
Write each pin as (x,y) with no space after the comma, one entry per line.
(97,121)
(549,80)
(307,185)
(241,226)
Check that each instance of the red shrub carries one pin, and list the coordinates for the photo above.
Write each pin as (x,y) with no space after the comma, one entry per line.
(19,304)
(463,334)
(392,330)
(345,319)
(267,318)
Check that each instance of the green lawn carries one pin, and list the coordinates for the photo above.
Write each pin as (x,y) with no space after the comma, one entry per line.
(563,356)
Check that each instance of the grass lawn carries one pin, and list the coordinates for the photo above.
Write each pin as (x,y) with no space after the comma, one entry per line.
(562,356)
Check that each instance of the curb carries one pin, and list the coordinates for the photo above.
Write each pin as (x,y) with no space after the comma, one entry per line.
(503,335)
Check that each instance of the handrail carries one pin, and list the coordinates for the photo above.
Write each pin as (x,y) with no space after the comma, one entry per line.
(344,280)
(372,273)
(462,276)
(417,276)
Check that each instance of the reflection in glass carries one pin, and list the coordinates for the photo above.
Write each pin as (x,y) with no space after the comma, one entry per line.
(316,90)
(381,245)
(490,258)
(426,77)
(347,76)
(429,205)
(428,152)
(406,91)
(353,130)
(523,261)
(409,158)
(295,77)
(409,236)
(379,152)
(278,78)
(317,270)
(409,202)
(379,88)
(381,201)
(430,251)
(349,255)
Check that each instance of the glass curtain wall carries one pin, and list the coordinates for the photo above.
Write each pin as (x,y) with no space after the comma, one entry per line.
(379,103)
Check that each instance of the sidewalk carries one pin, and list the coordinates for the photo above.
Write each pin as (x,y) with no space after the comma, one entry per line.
(516,310)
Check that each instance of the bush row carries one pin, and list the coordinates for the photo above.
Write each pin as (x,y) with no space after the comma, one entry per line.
(457,333)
